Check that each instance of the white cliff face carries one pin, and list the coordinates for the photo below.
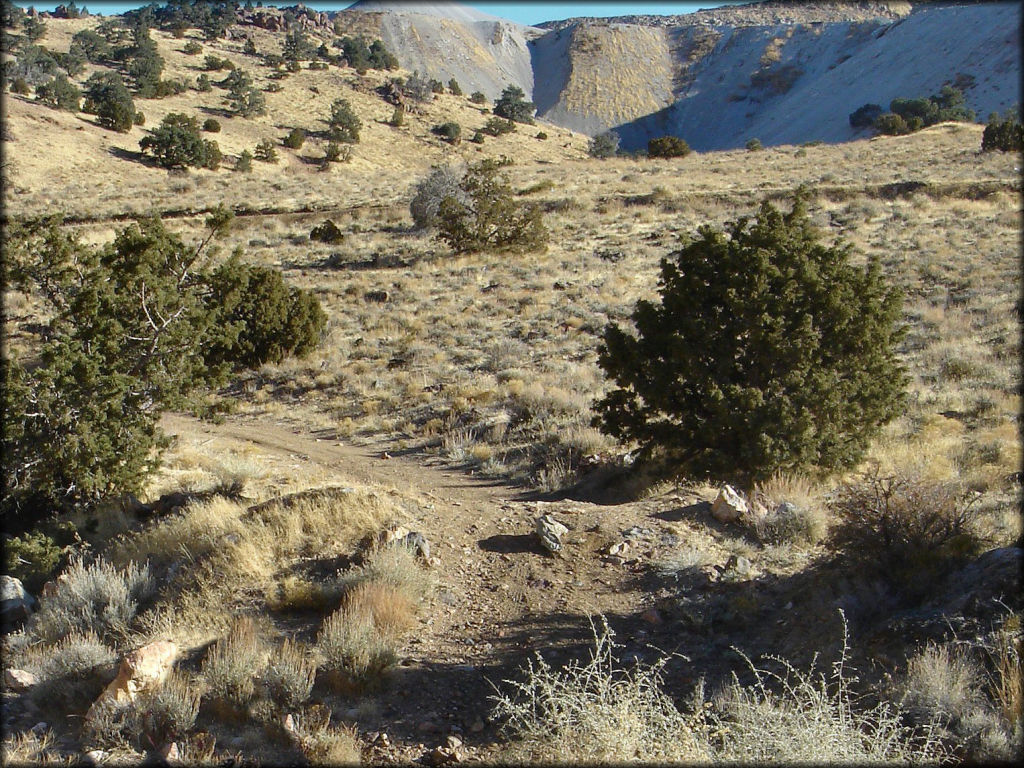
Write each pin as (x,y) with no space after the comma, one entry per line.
(715,84)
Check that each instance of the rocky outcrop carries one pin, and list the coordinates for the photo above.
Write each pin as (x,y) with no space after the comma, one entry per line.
(16,604)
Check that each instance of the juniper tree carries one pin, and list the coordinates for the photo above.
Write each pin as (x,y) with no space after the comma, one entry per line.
(767,351)
(512,105)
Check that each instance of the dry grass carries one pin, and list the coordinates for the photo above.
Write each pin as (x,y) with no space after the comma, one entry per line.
(289,675)
(233,664)
(352,652)
(391,608)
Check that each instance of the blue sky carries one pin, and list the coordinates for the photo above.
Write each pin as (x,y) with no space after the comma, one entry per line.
(524,12)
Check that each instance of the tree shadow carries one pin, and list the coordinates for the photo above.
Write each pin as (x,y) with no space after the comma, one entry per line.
(525,543)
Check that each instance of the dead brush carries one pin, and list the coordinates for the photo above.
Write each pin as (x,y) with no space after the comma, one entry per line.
(594,713)
(1006,683)
(809,717)
(72,672)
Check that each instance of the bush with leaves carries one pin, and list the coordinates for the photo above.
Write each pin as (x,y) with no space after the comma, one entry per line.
(244,163)
(497,126)
(263,319)
(144,64)
(1003,134)
(343,122)
(431,191)
(909,115)
(449,131)
(604,145)
(34,28)
(211,125)
(478,97)
(34,64)
(768,352)
(136,329)
(512,105)
(265,151)
(192,48)
(107,97)
(667,146)
(486,216)
(297,46)
(295,139)
(865,115)
(243,97)
(203,84)
(454,88)
(177,143)
(417,88)
(59,93)
(337,153)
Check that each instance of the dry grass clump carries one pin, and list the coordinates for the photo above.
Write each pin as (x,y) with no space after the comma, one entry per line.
(392,609)
(795,513)
(94,598)
(593,713)
(324,744)
(289,675)
(352,652)
(808,717)
(30,748)
(978,712)
(232,666)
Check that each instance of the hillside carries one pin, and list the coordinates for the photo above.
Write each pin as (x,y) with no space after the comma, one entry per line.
(340,562)
(780,72)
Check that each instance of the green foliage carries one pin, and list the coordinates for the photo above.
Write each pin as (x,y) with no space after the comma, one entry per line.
(242,96)
(417,88)
(436,86)
(1004,134)
(328,232)
(176,143)
(754,145)
(122,345)
(203,84)
(397,117)
(34,64)
(478,97)
(263,319)
(192,48)
(892,124)
(297,46)
(909,115)
(265,151)
(215,63)
(145,65)
(865,115)
(32,557)
(295,138)
(59,93)
(107,97)
(250,47)
(486,217)
(211,125)
(92,45)
(244,163)
(450,132)
(20,86)
(667,146)
(72,62)
(362,57)
(344,123)
(335,153)
(497,126)
(512,105)
(34,28)
(604,145)
(136,328)
(768,352)
(454,88)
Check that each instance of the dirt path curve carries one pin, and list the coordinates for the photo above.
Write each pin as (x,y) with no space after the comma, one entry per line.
(499,595)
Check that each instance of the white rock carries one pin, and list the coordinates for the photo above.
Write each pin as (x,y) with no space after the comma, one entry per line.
(729,505)
(19,680)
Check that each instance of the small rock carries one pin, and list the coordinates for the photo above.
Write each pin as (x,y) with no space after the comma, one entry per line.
(453,742)
(550,532)
(96,755)
(288,723)
(15,602)
(618,549)
(170,752)
(140,670)
(19,680)
(729,505)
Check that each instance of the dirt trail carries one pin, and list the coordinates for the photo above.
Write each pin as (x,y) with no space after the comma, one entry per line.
(500,596)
